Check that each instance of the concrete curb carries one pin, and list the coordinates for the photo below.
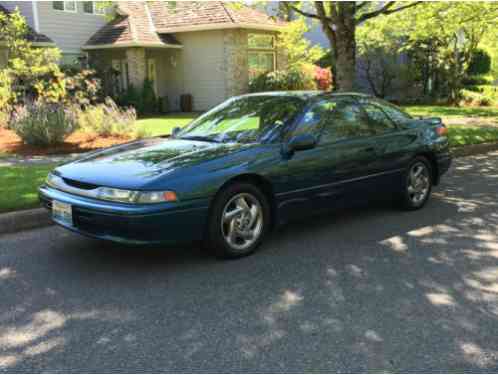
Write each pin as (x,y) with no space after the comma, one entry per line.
(30,219)
(22,220)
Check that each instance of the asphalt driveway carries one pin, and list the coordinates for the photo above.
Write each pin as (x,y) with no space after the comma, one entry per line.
(369,289)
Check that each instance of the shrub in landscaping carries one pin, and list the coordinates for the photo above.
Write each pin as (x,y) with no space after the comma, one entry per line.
(477,99)
(283,80)
(108,119)
(42,124)
(5,98)
(480,63)
(144,101)
(83,87)
(323,78)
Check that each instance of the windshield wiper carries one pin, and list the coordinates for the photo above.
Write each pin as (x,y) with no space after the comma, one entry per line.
(199,138)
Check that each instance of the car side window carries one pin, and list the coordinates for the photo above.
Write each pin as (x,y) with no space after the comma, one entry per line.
(314,119)
(379,122)
(347,120)
(395,114)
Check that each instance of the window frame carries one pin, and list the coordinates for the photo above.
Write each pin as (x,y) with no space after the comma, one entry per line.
(262,50)
(65,9)
(96,11)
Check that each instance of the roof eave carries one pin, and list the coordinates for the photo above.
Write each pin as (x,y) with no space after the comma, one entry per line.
(129,45)
(222,26)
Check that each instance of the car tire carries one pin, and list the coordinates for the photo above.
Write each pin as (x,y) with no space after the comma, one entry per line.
(417,184)
(239,220)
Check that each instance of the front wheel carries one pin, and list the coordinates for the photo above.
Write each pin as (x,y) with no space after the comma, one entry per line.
(417,184)
(238,222)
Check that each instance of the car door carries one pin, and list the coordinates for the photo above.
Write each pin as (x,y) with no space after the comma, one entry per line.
(390,146)
(317,178)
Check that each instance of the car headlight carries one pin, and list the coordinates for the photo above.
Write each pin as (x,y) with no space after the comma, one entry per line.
(50,180)
(117,195)
(140,197)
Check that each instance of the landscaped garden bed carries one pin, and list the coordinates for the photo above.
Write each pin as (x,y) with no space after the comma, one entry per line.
(80,141)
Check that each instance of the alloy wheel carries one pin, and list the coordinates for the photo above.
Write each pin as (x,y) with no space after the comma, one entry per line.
(418,183)
(242,221)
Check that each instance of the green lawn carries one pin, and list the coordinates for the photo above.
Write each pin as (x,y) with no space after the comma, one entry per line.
(467,125)
(461,135)
(165,124)
(443,111)
(19,186)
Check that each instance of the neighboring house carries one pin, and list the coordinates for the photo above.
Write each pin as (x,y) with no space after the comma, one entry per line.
(208,49)
(37,39)
(69,24)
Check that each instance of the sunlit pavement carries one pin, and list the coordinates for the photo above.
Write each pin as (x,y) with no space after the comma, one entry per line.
(371,289)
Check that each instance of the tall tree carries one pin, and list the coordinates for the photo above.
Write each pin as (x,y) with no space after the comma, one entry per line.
(440,37)
(339,20)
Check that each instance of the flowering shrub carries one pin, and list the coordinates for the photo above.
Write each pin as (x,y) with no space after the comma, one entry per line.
(50,88)
(306,77)
(107,119)
(323,78)
(42,124)
(83,87)
(282,80)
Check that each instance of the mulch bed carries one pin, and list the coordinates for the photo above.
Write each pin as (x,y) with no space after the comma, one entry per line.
(77,142)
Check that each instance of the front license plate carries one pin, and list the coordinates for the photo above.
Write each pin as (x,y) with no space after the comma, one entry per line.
(62,212)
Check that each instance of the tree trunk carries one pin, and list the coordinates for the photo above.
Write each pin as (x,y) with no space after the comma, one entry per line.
(340,30)
(345,51)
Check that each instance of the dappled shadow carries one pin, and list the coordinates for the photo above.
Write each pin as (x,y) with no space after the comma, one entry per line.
(366,289)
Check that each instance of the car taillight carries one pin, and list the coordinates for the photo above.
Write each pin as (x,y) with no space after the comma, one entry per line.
(442,131)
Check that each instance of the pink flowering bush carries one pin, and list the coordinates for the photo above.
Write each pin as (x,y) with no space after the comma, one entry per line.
(323,78)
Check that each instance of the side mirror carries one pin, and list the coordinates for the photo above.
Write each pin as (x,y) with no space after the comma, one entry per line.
(301,142)
(175,131)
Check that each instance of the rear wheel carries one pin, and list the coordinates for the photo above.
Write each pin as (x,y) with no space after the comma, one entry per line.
(417,184)
(238,222)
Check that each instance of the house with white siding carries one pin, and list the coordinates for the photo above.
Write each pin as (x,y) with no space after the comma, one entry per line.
(208,49)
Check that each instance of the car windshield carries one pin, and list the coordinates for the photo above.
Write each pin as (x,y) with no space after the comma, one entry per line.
(248,119)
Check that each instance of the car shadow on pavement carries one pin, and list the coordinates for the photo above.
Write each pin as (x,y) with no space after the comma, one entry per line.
(367,289)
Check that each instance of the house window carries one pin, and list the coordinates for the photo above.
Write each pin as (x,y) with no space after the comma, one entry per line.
(261,54)
(66,6)
(93,7)
(120,76)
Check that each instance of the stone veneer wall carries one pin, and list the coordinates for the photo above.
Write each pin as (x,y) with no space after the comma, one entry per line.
(235,62)
(137,66)
(282,60)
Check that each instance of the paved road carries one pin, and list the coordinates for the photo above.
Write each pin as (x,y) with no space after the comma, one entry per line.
(372,289)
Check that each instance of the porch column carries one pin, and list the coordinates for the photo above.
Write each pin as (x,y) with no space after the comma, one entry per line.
(137,66)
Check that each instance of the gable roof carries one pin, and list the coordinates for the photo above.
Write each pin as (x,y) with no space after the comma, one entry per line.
(132,26)
(151,23)
(32,35)
(205,15)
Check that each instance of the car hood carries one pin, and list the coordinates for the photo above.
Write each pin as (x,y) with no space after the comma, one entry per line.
(135,165)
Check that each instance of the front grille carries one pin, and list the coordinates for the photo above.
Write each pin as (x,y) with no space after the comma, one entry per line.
(79,184)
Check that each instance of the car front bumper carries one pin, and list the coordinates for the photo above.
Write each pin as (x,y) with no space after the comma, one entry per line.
(171,223)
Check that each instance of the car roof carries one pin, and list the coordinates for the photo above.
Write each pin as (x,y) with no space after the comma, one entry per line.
(309,94)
